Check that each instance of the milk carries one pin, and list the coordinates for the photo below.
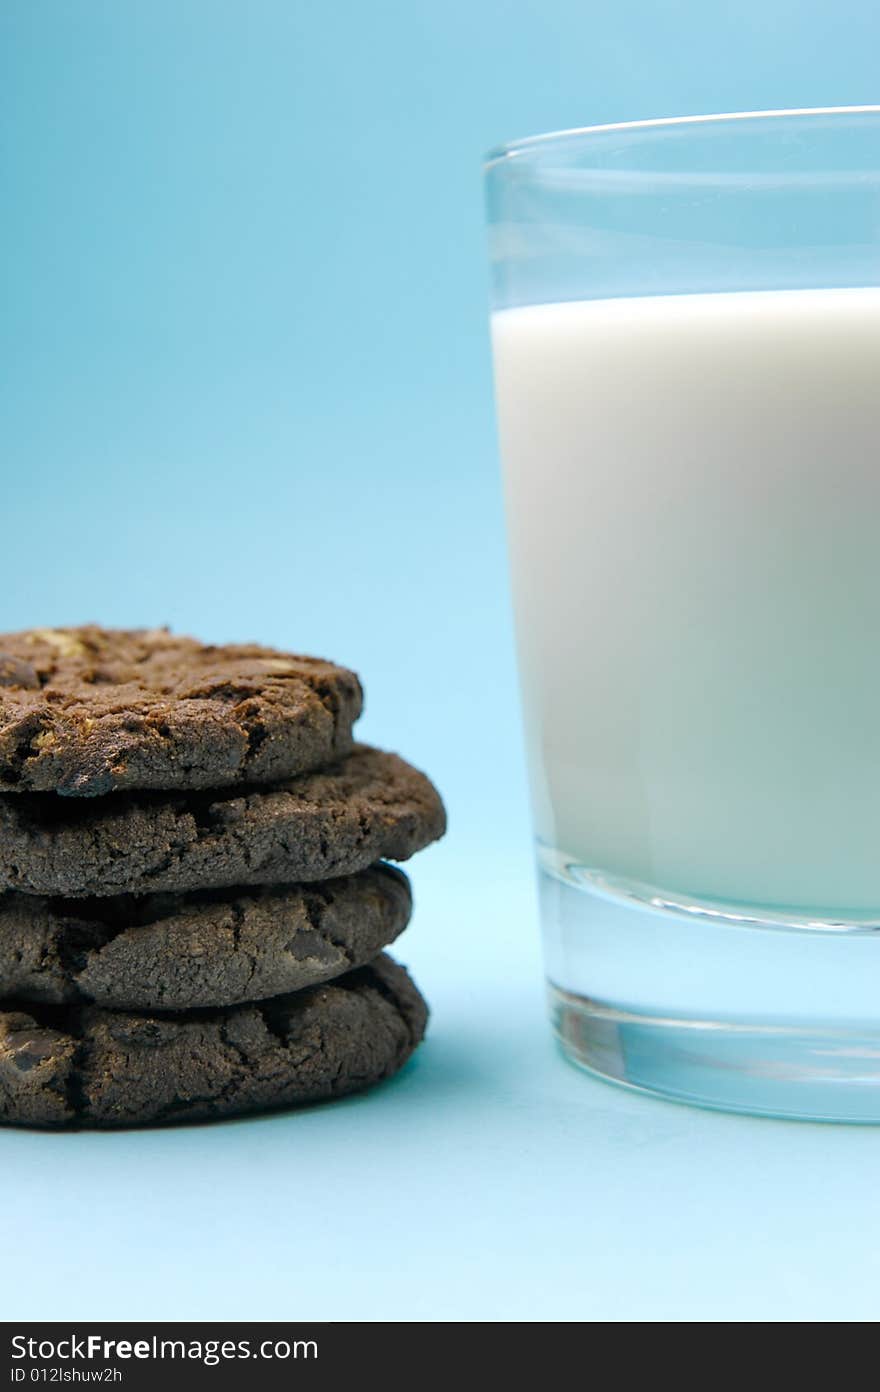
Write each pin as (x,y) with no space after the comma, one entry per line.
(693,495)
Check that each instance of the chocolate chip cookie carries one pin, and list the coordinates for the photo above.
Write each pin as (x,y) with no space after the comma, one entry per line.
(75,1066)
(86,711)
(368,806)
(185,951)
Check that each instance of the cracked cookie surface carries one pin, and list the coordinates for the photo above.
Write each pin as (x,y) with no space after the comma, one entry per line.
(80,1066)
(85,711)
(369,806)
(179,952)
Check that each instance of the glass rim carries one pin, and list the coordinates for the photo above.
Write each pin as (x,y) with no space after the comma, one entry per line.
(509,149)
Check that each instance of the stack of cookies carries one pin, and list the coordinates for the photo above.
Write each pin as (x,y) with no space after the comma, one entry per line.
(194,899)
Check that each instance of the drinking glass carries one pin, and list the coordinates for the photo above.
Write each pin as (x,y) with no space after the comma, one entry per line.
(686,338)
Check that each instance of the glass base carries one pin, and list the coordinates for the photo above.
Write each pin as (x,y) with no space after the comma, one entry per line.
(726,1010)
(778,1071)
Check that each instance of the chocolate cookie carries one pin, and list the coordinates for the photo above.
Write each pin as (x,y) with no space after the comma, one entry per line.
(70,1066)
(89,710)
(370,806)
(177,952)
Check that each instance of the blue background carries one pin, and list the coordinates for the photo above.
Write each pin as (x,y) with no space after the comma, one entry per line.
(246,390)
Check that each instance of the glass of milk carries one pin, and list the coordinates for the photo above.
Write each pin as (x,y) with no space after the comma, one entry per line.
(686,335)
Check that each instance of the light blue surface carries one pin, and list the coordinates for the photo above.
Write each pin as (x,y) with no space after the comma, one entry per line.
(245,390)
